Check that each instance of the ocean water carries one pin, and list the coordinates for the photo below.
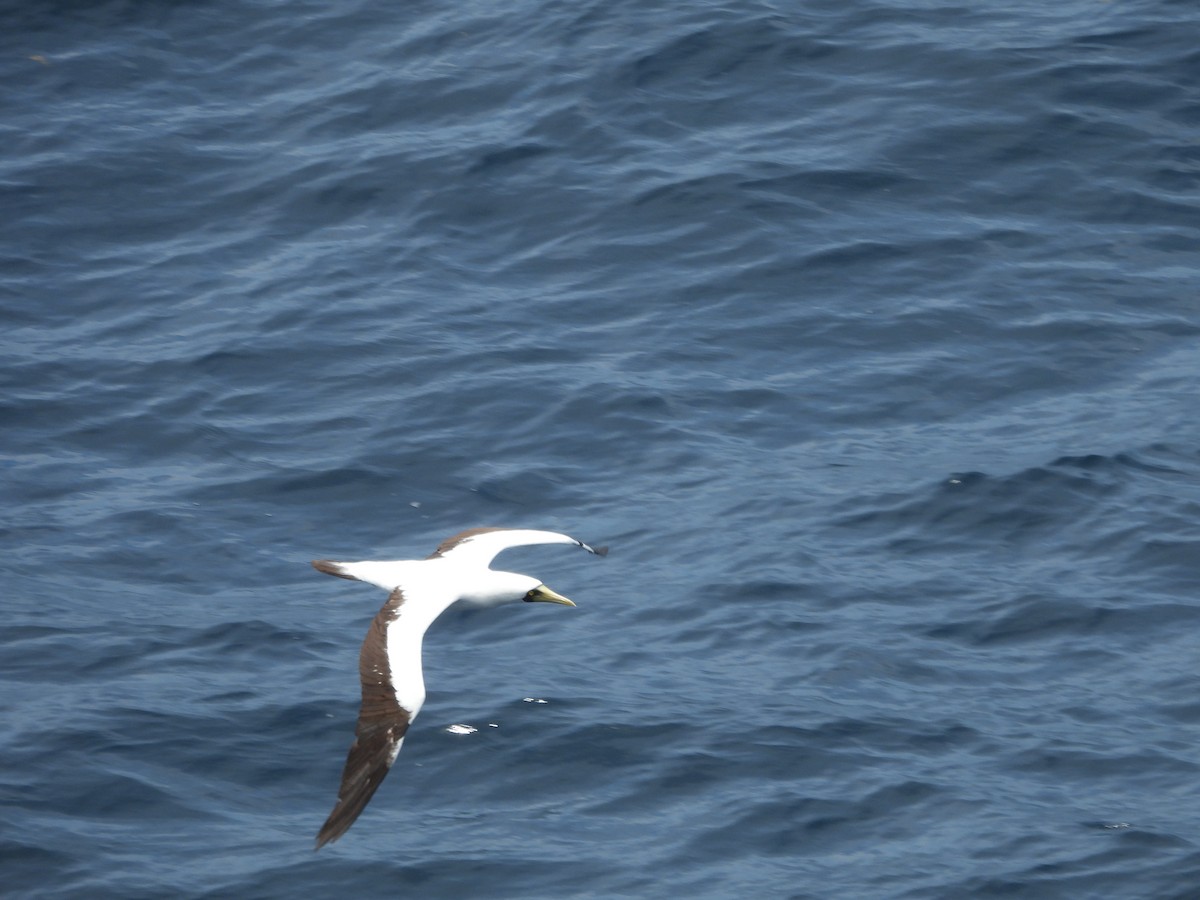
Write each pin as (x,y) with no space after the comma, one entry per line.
(867,335)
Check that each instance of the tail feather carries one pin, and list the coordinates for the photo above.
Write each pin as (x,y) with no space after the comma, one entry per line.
(329,567)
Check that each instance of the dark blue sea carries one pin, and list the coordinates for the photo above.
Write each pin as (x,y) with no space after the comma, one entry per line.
(866,333)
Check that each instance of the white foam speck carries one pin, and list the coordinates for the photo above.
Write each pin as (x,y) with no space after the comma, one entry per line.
(461,729)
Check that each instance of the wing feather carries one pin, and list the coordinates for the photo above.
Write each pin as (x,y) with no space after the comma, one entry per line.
(382,723)
(480,545)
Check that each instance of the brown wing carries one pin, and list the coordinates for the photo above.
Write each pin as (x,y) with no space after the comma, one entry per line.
(451,542)
(382,723)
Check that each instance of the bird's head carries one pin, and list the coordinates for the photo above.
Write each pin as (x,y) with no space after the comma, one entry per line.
(509,587)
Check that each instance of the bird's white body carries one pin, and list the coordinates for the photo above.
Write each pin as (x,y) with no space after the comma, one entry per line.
(428,582)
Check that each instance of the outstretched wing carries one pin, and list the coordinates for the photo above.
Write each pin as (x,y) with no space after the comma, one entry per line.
(480,545)
(382,723)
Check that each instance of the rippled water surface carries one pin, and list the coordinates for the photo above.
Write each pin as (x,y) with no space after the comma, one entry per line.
(866,333)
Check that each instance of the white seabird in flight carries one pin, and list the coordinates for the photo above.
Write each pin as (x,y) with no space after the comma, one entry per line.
(389,664)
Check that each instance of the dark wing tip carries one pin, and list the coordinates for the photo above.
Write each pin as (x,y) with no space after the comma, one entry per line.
(599,551)
(333,829)
(366,767)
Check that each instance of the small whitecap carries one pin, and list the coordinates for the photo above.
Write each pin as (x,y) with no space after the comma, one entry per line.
(461,729)
(534,700)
